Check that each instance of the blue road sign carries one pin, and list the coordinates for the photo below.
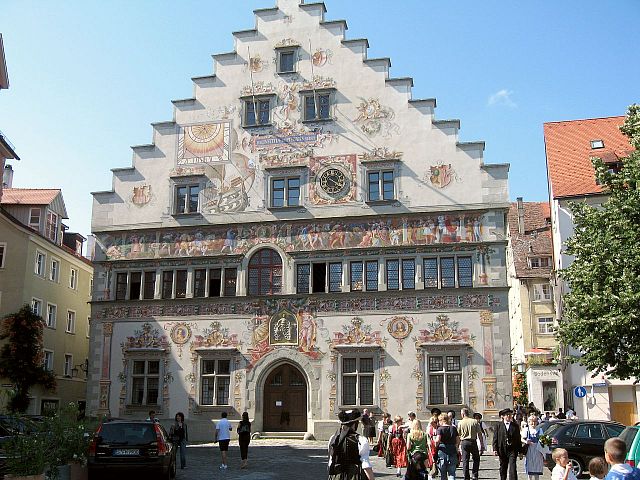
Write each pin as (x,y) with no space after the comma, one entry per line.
(580,392)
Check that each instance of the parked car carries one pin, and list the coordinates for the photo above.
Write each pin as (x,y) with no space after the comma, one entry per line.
(583,440)
(544,425)
(632,439)
(129,446)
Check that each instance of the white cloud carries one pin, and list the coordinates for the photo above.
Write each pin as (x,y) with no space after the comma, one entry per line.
(502,98)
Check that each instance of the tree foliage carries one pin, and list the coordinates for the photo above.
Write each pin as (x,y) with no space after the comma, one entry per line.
(21,357)
(601,314)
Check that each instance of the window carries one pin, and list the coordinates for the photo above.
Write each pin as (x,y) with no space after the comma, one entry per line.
(541,292)
(357,381)
(372,275)
(317,106)
(52,314)
(590,431)
(71,322)
(145,381)
(287,60)
(47,362)
(121,286)
(54,271)
(285,192)
(68,364)
(315,276)
(356,276)
(215,282)
(135,285)
(215,380)
(230,278)
(394,277)
(539,262)
(265,273)
(34,218)
(597,144)
(36,306)
(88,327)
(445,379)
(167,284)
(40,265)
(199,282)
(73,279)
(187,198)
(263,107)
(3,251)
(149,285)
(545,325)
(448,272)
(52,227)
(380,186)
(181,283)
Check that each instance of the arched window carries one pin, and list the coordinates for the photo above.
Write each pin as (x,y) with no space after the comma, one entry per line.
(265,273)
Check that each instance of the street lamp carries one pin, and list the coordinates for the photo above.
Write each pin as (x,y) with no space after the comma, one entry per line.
(84,366)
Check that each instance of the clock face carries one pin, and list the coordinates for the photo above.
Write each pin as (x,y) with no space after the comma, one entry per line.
(333,181)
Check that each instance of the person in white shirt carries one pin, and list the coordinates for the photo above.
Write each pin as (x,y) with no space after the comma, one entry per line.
(223,437)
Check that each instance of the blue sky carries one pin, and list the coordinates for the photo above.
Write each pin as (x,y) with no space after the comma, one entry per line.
(87,78)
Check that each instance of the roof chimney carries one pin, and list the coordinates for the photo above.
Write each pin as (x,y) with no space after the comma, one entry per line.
(520,216)
(7,177)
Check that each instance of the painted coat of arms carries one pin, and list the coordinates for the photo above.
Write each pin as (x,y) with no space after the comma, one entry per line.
(441,175)
(141,195)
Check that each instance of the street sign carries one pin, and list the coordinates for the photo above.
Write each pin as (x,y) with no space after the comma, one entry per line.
(580,392)
(600,384)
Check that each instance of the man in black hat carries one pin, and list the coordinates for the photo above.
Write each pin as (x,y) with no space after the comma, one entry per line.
(349,451)
(507,444)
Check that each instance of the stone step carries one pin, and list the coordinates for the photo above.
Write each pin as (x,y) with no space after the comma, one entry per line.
(281,435)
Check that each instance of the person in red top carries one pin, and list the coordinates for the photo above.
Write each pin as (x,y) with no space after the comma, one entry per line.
(397,445)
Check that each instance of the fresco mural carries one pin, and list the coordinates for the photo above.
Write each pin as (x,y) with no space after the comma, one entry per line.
(375,119)
(443,330)
(399,327)
(380,153)
(357,334)
(321,235)
(291,327)
(322,57)
(441,175)
(215,337)
(204,143)
(180,333)
(332,180)
(141,195)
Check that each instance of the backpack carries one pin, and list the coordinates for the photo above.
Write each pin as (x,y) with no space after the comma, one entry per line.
(345,456)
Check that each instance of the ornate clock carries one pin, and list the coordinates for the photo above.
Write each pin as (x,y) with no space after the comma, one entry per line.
(333,181)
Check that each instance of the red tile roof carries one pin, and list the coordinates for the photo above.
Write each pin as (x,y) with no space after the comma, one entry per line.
(569,152)
(29,196)
(534,242)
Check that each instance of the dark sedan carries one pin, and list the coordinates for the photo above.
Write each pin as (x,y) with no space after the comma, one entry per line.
(128,446)
(582,439)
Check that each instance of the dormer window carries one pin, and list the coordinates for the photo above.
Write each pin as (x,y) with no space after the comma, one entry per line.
(287,60)
(539,262)
(595,144)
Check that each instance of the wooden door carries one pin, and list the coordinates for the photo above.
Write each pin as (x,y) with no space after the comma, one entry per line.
(624,412)
(285,400)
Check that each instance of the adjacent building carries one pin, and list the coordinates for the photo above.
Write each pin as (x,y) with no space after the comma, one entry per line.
(7,150)
(531,305)
(302,237)
(570,145)
(42,265)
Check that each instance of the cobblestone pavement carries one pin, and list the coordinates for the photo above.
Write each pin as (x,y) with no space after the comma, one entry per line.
(292,459)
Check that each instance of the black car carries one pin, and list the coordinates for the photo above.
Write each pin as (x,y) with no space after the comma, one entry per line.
(128,447)
(582,439)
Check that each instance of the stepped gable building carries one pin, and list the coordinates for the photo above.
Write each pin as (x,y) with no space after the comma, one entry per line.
(569,146)
(302,237)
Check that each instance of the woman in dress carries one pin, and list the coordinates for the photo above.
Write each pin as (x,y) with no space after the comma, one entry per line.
(448,442)
(179,435)
(368,425)
(534,460)
(418,448)
(397,445)
(432,433)
(383,434)
(244,437)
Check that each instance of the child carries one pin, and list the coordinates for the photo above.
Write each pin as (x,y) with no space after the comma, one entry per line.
(562,470)
(615,451)
(597,468)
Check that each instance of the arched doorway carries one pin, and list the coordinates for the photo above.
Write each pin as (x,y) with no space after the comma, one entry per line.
(285,400)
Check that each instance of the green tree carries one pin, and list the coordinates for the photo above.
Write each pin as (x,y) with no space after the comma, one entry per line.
(602,312)
(21,357)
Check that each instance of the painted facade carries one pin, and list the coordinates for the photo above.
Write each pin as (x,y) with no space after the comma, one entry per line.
(55,281)
(291,216)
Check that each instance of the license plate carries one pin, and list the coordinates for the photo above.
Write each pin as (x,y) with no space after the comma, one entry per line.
(125,452)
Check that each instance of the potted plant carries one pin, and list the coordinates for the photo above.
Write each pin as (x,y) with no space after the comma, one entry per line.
(69,442)
(27,457)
